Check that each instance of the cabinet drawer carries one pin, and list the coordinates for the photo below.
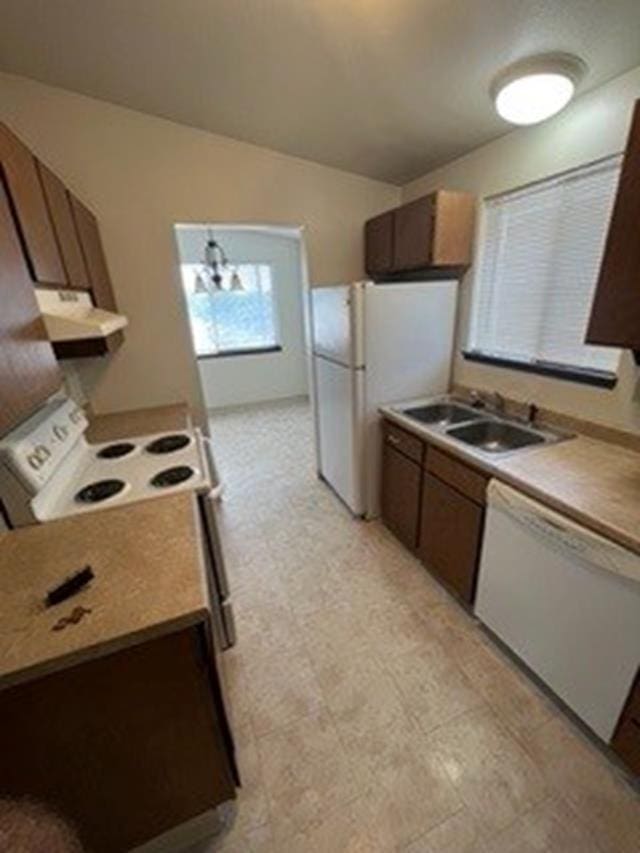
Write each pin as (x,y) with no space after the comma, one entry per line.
(466,480)
(403,441)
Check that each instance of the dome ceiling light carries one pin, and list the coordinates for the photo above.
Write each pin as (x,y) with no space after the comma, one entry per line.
(535,89)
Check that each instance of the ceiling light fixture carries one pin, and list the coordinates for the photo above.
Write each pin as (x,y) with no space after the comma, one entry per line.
(209,279)
(537,88)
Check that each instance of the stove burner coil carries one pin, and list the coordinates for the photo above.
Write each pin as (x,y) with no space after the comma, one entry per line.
(168,443)
(99,491)
(116,451)
(172,476)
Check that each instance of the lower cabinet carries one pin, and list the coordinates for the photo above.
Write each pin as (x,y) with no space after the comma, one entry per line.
(626,738)
(434,504)
(401,495)
(450,536)
(126,746)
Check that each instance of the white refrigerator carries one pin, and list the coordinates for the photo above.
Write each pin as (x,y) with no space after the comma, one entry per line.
(373,344)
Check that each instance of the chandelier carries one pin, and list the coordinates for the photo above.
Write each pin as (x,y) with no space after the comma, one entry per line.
(210,276)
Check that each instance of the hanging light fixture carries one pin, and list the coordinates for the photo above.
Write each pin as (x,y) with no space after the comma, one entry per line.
(200,285)
(236,281)
(534,89)
(209,278)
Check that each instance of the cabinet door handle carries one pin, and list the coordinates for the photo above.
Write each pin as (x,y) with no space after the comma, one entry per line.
(394,440)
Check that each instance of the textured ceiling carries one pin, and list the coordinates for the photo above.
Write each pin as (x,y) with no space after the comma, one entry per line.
(385,88)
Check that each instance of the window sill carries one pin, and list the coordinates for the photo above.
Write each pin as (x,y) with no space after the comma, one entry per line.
(583,375)
(232,353)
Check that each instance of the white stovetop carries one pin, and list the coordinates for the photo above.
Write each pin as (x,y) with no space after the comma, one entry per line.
(136,469)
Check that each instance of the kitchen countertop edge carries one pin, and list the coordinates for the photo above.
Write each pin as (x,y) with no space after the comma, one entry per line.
(101,648)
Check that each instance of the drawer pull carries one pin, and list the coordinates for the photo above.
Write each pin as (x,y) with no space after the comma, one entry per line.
(394,440)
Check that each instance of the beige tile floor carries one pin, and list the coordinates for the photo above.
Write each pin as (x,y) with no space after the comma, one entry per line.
(371,713)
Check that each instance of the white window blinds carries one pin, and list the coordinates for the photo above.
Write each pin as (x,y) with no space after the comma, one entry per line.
(539,264)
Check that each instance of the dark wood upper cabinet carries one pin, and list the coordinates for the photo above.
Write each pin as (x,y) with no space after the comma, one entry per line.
(93,252)
(59,206)
(378,240)
(29,373)
(28,202)
(615,313)
(96,263)
(59,238)
(432,232)
(412,234)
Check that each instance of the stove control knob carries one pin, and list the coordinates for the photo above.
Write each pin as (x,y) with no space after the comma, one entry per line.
(34,461)
(42,453)
(60,432)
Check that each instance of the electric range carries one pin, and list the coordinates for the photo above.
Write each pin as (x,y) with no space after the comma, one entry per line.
(48,470)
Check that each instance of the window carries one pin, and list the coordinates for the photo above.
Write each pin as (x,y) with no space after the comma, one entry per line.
(231,322)
(539,264)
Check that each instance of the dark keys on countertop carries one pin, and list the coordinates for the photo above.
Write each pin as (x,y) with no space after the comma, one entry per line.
(74,583)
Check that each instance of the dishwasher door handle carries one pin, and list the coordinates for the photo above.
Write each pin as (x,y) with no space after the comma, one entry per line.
(564,533)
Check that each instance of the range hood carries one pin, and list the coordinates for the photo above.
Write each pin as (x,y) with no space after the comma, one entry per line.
(70,315)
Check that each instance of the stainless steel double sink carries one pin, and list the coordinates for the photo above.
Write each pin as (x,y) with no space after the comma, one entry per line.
(488,431)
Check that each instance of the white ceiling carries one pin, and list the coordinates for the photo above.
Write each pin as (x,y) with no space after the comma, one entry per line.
(386,88)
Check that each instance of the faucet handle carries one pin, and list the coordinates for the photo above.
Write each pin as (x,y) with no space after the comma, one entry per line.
(476,400)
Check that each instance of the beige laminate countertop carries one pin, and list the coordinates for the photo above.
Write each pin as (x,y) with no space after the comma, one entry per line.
(595,483)
(115,425)
(149,580)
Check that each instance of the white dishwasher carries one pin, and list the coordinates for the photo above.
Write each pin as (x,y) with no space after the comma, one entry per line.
(565,600)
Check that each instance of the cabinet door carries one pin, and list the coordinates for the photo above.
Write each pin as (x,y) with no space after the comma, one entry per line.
(626,738)
(453,229)
(30,207)
(378,239)
(28,368)
(450,535)
(413,233)
(59,207)
(101,288)
(615,314)
(146,716)
(400,499)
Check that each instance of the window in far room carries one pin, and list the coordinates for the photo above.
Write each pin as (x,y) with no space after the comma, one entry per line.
(233,321)
(538,268)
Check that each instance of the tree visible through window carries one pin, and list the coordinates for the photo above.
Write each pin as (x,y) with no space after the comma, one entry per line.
(232,321)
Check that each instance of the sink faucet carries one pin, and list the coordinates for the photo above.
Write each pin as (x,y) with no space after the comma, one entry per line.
(491,399)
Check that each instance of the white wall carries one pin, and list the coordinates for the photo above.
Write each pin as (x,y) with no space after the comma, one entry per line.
(594,126)
(238,379)
(141,175)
